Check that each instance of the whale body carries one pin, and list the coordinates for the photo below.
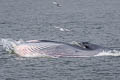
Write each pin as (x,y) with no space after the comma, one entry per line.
(47,48)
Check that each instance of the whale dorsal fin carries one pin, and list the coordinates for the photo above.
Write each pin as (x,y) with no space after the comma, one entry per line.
(85,45)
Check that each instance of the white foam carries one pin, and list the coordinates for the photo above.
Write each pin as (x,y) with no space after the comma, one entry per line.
(109,53)
(57,4)
(62,29)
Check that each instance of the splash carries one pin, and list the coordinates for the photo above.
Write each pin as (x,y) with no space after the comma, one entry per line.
(9,44)
(109,53)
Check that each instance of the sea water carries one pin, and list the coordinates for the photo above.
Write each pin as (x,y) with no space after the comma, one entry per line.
(95,21)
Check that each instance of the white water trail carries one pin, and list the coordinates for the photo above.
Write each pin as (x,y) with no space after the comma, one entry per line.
(109,53)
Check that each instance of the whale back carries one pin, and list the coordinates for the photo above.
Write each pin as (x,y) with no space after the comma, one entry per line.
(79,45)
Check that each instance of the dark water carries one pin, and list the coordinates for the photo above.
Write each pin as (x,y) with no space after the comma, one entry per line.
(96,21)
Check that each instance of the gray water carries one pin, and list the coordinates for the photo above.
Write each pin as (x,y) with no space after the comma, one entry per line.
(95,21)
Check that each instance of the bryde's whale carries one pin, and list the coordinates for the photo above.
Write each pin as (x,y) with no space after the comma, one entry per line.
(47,48)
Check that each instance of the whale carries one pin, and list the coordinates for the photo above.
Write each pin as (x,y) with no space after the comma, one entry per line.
(49,48)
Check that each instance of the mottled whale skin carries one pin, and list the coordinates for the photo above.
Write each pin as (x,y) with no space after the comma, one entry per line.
(47,48)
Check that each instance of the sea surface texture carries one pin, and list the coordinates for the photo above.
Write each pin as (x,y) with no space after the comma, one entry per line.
(95,21)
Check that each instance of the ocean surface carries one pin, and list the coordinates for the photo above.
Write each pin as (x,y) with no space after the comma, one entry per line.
(95,21)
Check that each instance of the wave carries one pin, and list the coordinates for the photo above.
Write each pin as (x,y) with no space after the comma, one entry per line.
(109,53)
